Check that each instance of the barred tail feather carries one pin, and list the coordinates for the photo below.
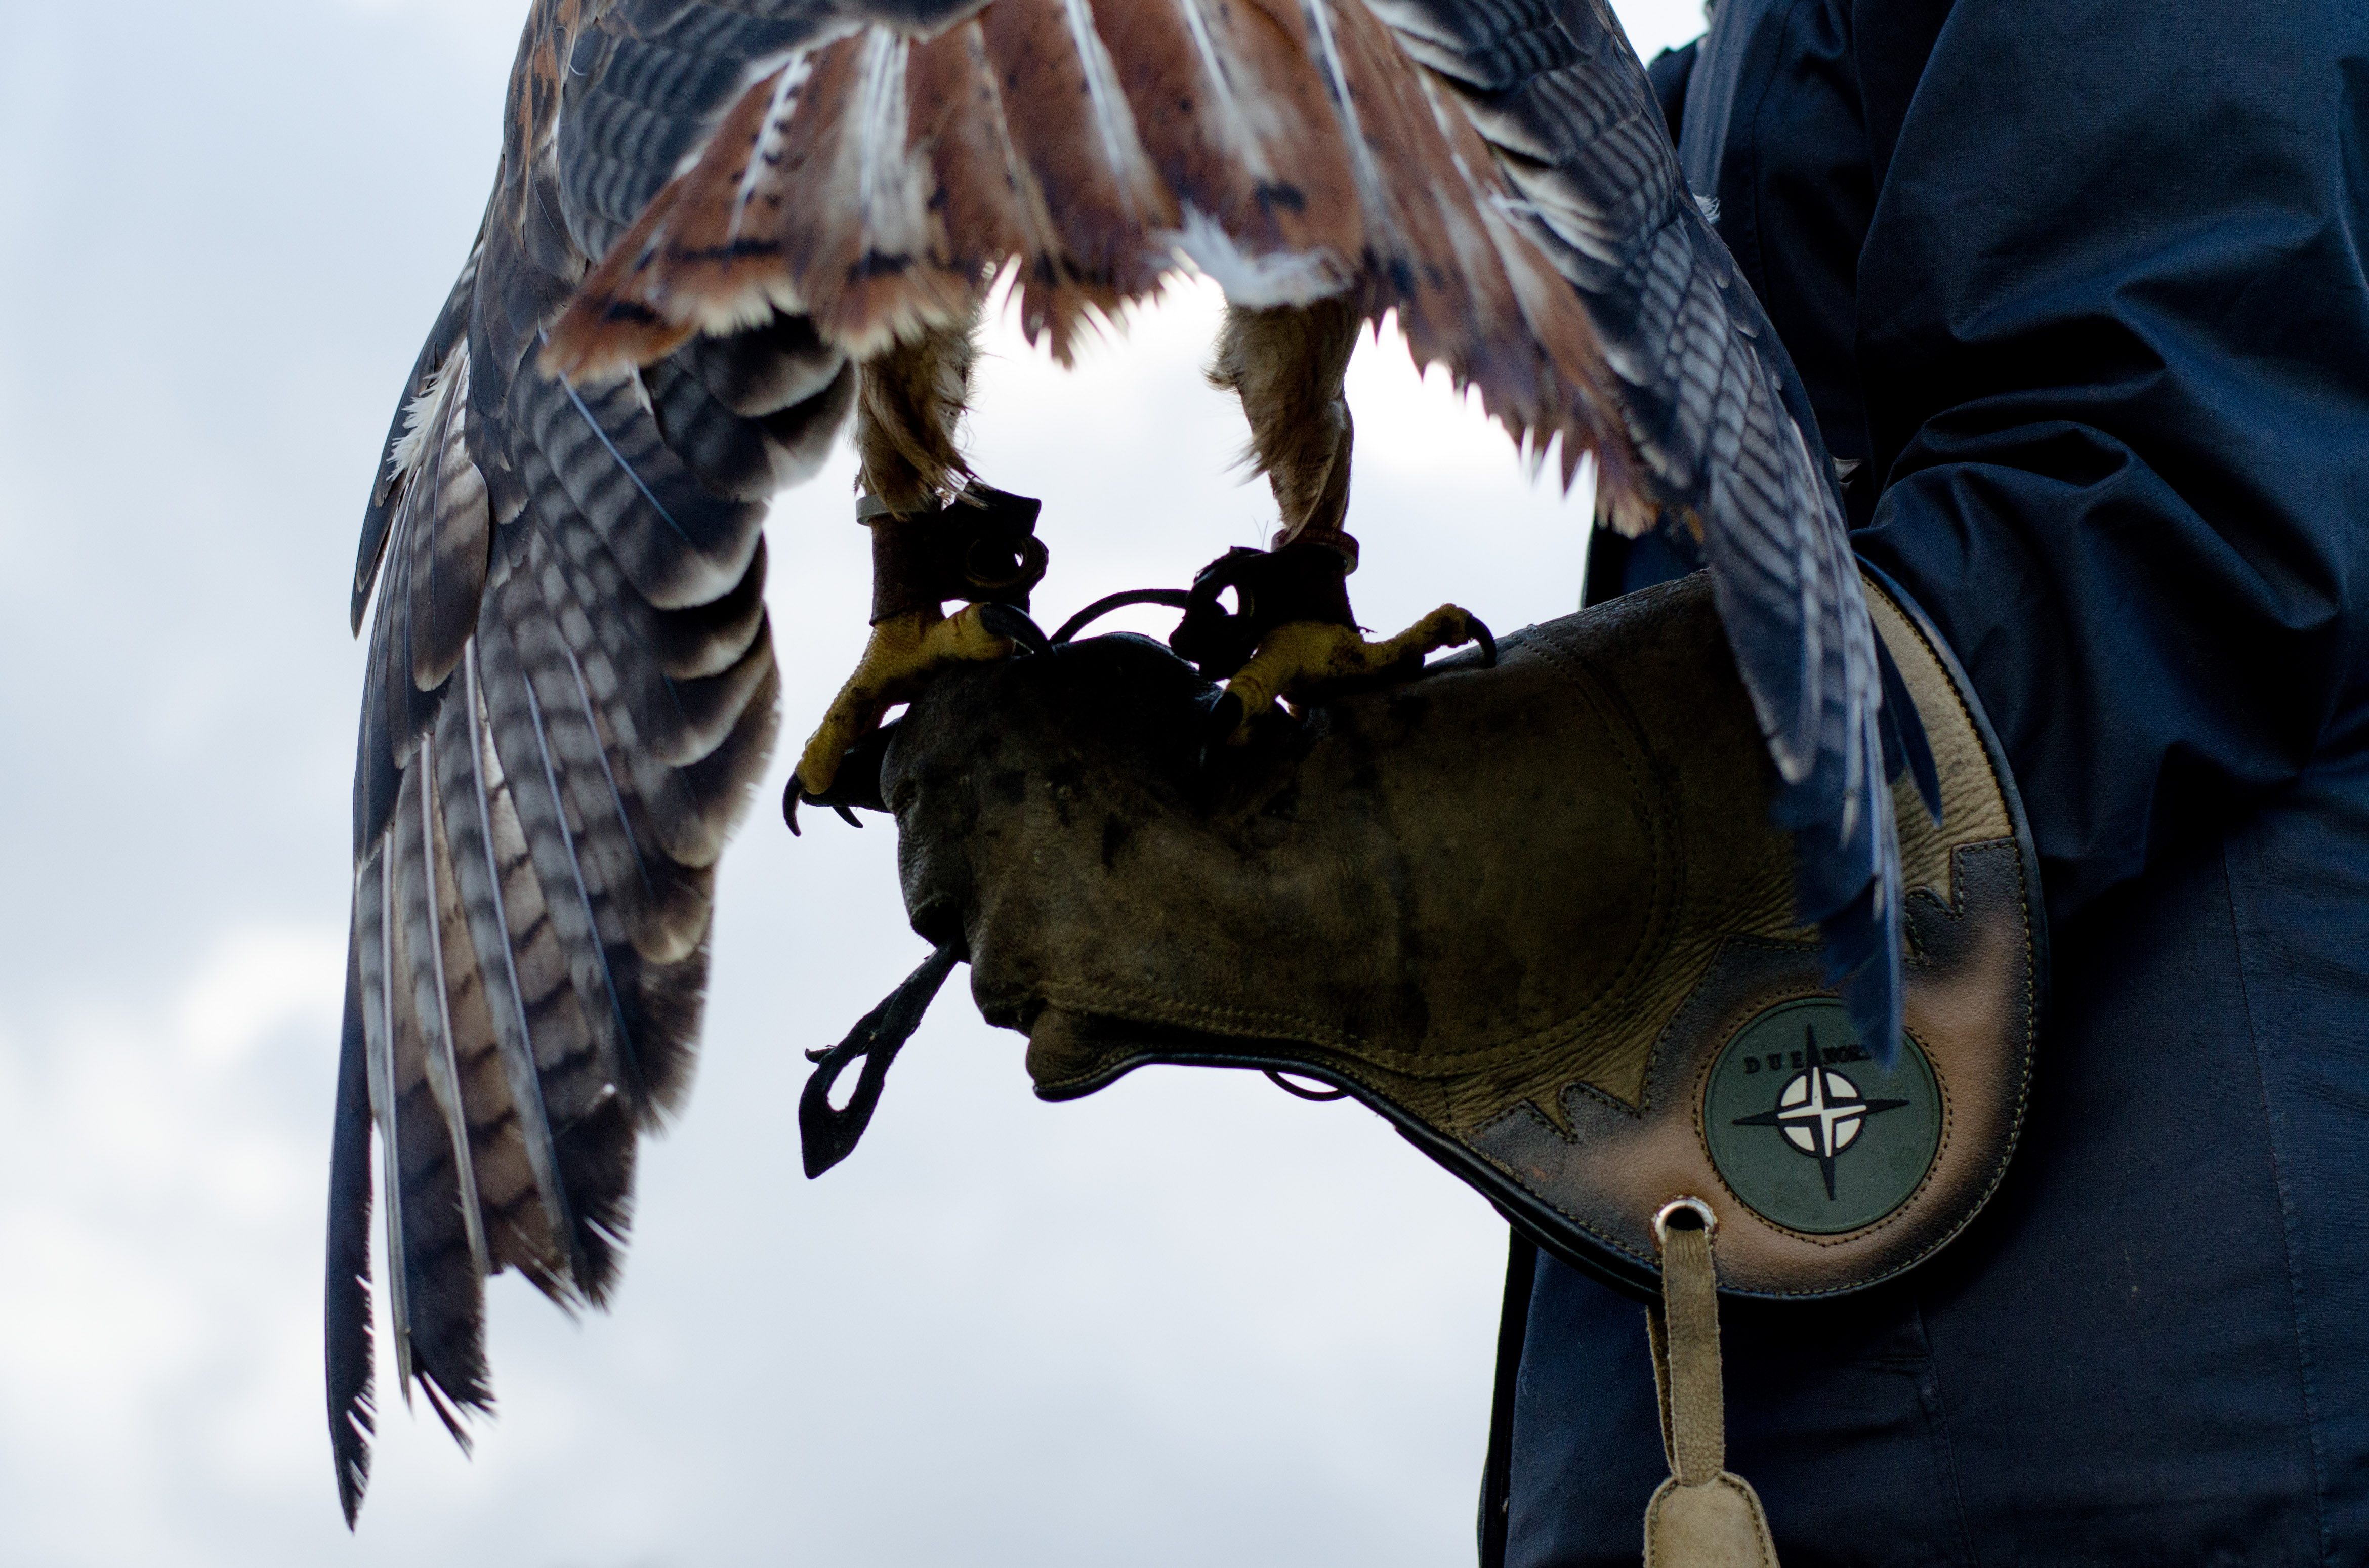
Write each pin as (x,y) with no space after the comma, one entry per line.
(435,1246)
(432,986)
(346,1339)
(539,1237)
(374,944)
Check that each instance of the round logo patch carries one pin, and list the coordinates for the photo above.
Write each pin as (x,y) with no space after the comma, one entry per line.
(1807,1128)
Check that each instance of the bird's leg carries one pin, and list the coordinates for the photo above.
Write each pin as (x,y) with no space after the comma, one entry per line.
(1293,632)
(937,534)
(979,547)
(1286,366)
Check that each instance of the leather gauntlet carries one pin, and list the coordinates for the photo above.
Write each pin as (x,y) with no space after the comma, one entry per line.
(1537,915)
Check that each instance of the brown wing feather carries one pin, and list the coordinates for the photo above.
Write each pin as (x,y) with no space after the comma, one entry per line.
(988,201)
(705,252)
(1296,151)
(1073,131)
(517,1230)
(1564,383)
(1240,122)
(854,224)
(444,520)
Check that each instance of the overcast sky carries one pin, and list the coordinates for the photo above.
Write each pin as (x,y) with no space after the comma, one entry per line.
(1188,1321)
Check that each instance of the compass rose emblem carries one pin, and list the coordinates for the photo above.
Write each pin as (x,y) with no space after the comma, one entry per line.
(1794,1088)
(1820,1111)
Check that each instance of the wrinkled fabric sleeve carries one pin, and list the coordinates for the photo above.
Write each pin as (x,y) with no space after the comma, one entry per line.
(2114,337)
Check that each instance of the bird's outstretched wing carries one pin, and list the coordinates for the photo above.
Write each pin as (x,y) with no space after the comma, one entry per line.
(570,693)
(706,211)
(1723,438)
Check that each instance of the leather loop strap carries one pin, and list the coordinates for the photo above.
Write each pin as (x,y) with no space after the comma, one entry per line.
(1685,1330)
(980,547)
(1300,581)
(1703,1516)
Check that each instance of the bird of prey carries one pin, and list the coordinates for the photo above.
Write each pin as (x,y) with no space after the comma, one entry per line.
(722,229)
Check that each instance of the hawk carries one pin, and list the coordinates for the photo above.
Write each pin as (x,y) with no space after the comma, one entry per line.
(722,230)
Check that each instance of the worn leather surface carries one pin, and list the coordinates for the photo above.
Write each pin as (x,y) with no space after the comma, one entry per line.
(1714,1524)
(1517,910)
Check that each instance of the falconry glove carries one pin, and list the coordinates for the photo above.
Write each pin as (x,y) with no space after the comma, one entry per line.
(1537,915)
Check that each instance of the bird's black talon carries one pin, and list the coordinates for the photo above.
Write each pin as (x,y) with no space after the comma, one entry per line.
(857,783)
(1015,625)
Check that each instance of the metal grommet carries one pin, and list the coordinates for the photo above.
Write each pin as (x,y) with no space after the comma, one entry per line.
(1662,1217)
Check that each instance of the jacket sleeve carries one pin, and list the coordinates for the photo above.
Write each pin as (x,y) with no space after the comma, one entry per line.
(1668,73)
(2114,338)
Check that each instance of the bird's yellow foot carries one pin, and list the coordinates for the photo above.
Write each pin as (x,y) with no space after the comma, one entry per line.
(979,546)
(905,649)
(1302,658)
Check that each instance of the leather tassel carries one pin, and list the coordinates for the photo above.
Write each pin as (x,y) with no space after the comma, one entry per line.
(1704,1515)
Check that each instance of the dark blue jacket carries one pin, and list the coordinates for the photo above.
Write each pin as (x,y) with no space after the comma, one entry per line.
(2078,285)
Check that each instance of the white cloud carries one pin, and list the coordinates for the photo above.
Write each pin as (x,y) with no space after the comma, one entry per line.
(258,979)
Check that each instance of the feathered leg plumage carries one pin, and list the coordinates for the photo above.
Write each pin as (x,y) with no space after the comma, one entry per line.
(1288,364)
